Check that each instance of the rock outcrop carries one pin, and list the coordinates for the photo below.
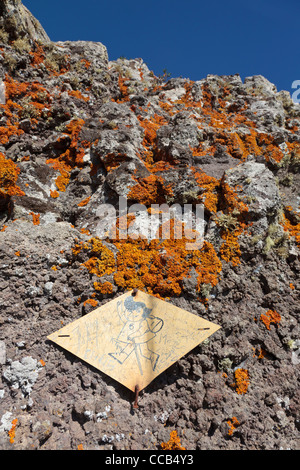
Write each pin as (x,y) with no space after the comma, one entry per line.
(78,134)
(18,23)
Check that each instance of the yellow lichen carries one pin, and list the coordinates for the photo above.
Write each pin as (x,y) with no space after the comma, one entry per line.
(173,443)
(241,381)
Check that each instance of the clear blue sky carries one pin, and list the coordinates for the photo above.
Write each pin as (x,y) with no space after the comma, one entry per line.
(191,38)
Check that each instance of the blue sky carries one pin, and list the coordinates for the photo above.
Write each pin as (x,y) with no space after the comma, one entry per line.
(191,38)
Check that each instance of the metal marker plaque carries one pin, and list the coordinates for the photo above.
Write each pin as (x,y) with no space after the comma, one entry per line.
(133,339)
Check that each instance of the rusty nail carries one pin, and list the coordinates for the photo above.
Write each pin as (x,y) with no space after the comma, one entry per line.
(137,389)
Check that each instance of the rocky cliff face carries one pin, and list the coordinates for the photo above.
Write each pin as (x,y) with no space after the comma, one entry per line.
(78,131)
(17,22)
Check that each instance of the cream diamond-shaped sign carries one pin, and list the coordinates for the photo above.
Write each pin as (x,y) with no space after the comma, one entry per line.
(134,337)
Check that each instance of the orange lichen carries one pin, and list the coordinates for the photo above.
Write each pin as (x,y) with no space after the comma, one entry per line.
(84,202)
(85,231)
(103,260)
(104,288)
(86,63)
(36,96)
(173,443)
(35,218)
(54,194)
(17,253)
(12,431)
(270,150)
(209,188)
(71,158)
(241,381)
(292,287)
(91,302)
(271,316)
(233,423)
(230,250)
(123,90)
(150,127)
(290,226)
(38,56)
(150,190)
(77,94)
(9,173)
(111,161)
(42,362)
(158,266)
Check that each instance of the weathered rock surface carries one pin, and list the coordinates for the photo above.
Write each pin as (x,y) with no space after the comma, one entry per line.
(77,133)
(18,22)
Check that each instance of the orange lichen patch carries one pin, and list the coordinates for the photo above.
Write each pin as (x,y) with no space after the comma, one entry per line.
(150,190)
(271,316)
(86,63)
(261,353)
(77,248)
(12,431)
(209,266)
(35,218)
(187,100)
(91,302)
(8,131)
(85,231)
(111,161)
(150,127)
(3,228)
(233,423)
(292,287)
(80,447)
(63,179)
(77,94)
(17,253)
(173,443)
(230,201)
(84,202)
(123,89)
(270,150)
(71,158)
(38,56)
(291,227)
(54,268)
(230,250)
(103,260)
(167,107)
(103,287)
(242,381)
(54,194)
(209,187)
(160,166)
(240,146)
(158,266)
(42,362)
(9,173)
(35,95)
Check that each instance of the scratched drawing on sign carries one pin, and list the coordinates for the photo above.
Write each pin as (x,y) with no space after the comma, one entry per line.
(136,336)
